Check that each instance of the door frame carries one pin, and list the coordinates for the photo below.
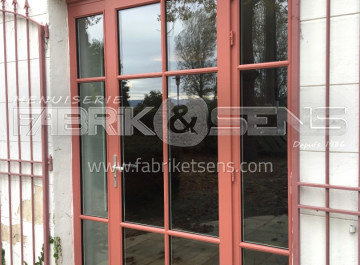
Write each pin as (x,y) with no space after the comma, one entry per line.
(293,65)
(228,81)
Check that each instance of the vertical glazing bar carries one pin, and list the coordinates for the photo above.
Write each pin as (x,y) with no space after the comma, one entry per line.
(165,132)
(44,140)
(19,137)
(31,141)
(1,257)
(294,82)
(290,131)
(7,135)
(327,137)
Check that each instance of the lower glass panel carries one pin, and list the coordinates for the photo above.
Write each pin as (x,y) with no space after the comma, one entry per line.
(193,166)
(93,151)
(191,252)
(264,158)
(95,243)
(251,257)
(143,248)
(142,153)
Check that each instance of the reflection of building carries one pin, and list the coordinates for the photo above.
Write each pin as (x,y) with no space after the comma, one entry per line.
(260,54)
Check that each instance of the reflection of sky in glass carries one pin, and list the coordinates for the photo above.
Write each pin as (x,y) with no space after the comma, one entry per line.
(95,32)
(140,39)
(140,87)
(173,29)
(178,26)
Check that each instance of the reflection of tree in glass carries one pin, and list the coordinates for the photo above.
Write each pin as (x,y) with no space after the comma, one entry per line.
(264,39)
(91,51)
(125,93)
(184,9)
(195,46)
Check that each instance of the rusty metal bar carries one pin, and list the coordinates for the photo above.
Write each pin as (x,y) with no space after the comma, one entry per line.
(20,161)
(18,175)
(327,136)
(7,129)
(329,210)
(359,158)
(1,257)
(18,132)
(27,6)
(327,186)
(44,140)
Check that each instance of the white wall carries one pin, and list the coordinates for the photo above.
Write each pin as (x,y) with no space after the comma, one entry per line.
(344,92)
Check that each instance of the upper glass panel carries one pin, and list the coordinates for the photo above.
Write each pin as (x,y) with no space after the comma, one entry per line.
(191,34)
(140,40)
(264,30)
(90,42)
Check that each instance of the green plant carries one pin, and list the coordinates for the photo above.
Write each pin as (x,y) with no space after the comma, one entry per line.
(56,241)
(3,257)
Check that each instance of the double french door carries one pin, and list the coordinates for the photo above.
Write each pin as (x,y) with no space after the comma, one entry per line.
(182,137)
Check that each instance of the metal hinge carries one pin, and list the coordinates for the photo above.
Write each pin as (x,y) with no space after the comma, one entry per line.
(47,34)
(50,163)
(231,38)
(232,177)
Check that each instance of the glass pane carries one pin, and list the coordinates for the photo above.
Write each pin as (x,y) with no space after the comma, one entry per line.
(143,187)
(193,165)
(191,252)
(95,243)
(251,257)
(143,248)
(264,30)
(264,157)
(140,40)
(90,38)
(191,34)
(93,151)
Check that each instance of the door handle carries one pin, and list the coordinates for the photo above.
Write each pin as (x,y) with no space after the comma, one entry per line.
(116,168)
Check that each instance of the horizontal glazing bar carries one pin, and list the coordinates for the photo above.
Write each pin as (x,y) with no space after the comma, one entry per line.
(192,71)
(171,233)
(90,79)
(95,219)
(170,73)
(277,251)
(194,237)
(139,76)
(145,228)
(263,65)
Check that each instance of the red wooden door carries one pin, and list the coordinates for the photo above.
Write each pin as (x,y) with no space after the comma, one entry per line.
(170,210)
(178,63)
